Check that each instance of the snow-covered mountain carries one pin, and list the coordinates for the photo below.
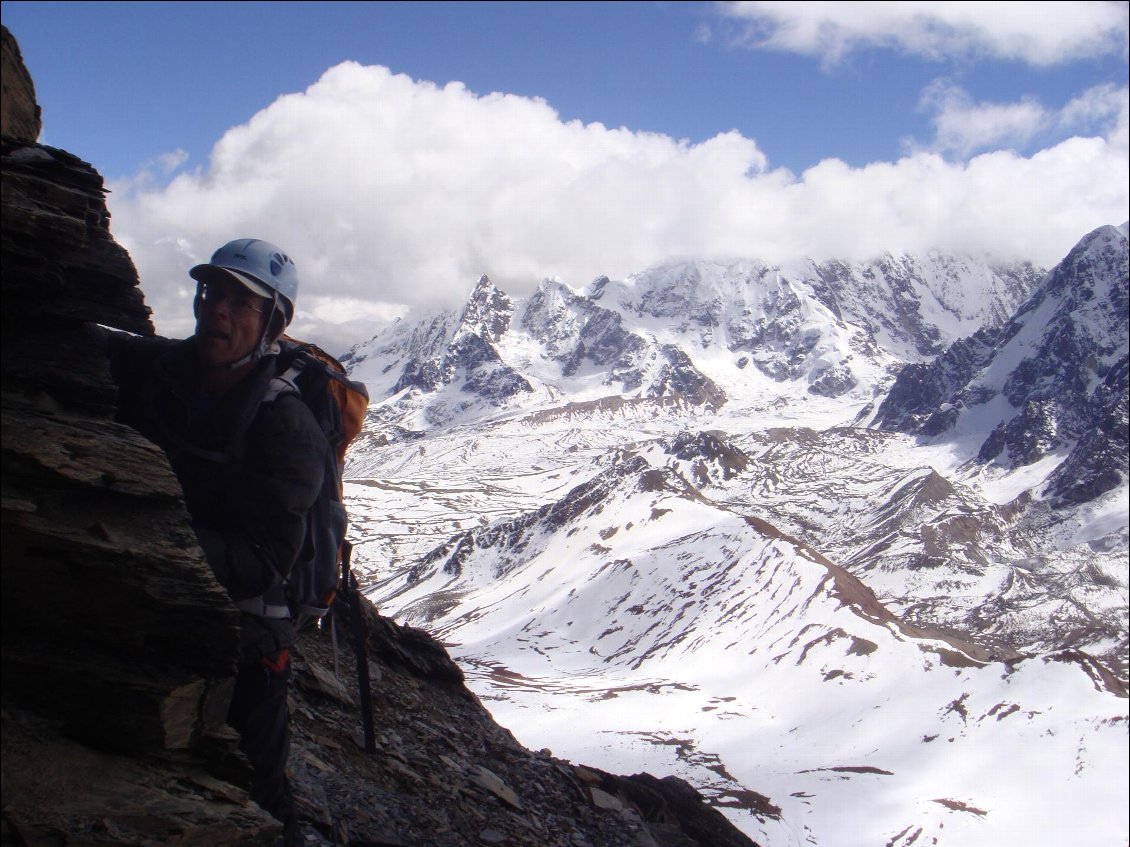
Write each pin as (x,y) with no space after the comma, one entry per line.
(690,331)
(1051,379)
(688,511)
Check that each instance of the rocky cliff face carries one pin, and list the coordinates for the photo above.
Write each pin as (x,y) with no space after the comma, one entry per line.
(119,646)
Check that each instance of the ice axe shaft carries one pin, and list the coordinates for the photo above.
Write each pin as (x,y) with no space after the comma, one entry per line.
(360,647)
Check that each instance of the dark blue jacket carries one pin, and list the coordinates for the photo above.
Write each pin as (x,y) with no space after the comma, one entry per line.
(250,470)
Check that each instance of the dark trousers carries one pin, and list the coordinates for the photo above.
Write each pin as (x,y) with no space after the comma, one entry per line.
(259,713)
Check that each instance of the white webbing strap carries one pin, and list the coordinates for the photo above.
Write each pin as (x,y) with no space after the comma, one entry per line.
(259,606)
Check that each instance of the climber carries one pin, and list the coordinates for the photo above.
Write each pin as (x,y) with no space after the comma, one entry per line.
(250,471)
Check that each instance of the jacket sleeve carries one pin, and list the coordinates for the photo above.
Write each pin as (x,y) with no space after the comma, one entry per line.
(132,361)
(269,495)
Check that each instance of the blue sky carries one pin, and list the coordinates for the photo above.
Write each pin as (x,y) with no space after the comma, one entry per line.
(585,138)
(179,74)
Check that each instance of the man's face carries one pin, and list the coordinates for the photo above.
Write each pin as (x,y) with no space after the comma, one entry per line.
(229,322)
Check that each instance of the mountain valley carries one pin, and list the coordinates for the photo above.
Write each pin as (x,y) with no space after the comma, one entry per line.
(681,511)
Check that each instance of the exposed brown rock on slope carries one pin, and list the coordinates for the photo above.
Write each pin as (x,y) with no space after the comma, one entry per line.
(118,645)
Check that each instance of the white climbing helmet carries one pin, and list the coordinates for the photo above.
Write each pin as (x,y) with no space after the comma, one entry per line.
(260,266)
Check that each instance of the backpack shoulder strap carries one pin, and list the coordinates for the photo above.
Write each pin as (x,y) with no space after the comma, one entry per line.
(284,383)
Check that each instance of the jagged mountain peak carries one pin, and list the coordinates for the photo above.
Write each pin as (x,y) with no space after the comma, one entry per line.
(487,312)
(1046,381)
(703,332)
(1087,287)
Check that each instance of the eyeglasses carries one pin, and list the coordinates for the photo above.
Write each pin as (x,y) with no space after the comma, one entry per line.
(237,298)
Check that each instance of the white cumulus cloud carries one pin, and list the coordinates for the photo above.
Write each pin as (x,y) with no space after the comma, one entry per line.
(1037,33)
(962,126)
(391,193)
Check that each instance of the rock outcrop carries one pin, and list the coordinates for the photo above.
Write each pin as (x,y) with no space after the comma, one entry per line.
(19,112)
(119,646)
